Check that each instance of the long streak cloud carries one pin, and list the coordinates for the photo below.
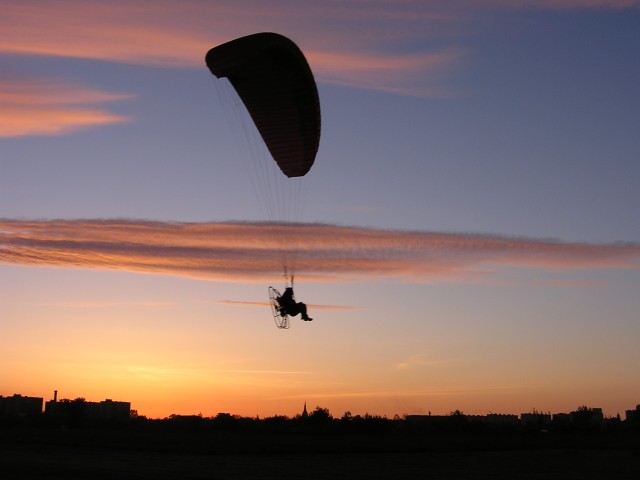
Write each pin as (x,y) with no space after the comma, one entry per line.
(250,251)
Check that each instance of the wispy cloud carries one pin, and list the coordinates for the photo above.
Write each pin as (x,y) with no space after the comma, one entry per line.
(360,44)
(575,283)
(149,373)
(143,32)
(166,373)
(266,372)
(406,74)
(431,392)
(249,251)
(564,4)
(416,361)
(350,44)
(39,107)
(104,305)
(242,303)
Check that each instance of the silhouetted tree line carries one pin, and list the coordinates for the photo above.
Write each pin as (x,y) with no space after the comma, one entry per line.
(80,413)
(319,421)
(72,413)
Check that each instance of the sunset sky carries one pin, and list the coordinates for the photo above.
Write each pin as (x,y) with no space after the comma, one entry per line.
(471,226)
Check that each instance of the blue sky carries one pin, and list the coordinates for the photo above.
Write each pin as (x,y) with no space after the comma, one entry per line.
(509,128)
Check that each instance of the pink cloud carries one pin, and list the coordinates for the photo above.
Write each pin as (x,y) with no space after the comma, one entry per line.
(356,54)
(407,74)
(352,43)
(563,4)
(568,282)
(29,107)
(249,252)
(145,33)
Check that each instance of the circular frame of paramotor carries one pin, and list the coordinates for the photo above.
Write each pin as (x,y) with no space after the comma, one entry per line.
(281,319)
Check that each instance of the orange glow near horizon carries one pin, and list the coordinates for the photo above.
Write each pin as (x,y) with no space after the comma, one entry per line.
(157,392)
(168,359)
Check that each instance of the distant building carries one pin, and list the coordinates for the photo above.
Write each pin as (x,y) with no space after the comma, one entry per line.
(633,417)
(561,419)
(19,406)
(432,422)
(587,417)
(536,420)
(502,419)
(109,410)
(81,411)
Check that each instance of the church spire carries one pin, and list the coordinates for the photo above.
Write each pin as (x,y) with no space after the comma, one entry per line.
(304,412)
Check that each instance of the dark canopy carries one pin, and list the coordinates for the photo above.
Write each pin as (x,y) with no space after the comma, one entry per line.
(274,81)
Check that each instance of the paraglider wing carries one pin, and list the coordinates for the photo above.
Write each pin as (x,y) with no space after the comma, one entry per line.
(274,81)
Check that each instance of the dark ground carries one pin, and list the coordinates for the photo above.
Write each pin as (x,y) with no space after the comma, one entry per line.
(85,453)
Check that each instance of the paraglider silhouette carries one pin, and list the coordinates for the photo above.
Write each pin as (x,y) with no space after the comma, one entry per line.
(271,76)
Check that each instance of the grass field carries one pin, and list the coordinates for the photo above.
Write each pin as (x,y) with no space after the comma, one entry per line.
(123,454)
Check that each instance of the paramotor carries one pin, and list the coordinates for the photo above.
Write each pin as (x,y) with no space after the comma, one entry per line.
(272,78)
(279,316)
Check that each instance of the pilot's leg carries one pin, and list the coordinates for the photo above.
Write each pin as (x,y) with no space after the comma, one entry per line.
(303,310)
